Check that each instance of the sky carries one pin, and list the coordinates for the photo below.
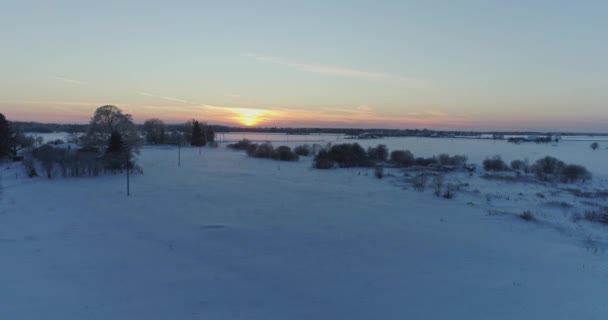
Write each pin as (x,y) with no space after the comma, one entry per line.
(465,65)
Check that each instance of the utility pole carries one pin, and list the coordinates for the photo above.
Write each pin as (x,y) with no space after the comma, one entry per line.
(128,178)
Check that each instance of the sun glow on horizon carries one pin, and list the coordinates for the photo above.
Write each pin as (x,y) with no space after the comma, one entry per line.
(249,117)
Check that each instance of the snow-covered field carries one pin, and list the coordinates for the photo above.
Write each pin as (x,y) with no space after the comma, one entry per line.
(225,236)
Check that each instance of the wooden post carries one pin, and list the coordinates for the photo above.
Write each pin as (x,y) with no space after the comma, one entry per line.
(128,182)
(128,176)
(179,151)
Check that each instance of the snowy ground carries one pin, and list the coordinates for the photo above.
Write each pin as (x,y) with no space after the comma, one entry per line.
(230,237)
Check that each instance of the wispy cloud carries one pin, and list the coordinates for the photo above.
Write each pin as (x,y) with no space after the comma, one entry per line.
(67,80)
(147,94)
(341,71)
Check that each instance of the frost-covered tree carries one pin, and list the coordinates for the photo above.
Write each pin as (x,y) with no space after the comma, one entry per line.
(105,121)
(155,131)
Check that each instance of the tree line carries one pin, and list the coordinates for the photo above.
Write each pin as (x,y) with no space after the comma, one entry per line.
(110,144)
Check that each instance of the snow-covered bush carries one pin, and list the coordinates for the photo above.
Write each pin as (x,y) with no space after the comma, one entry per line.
(592,216)
(595,145)
(323,160)
(447,160)
(527,216)
(264,150)
(346,155)
(573,172)
(419,181)
(30,167)
(244,144)
(379,152)
(303,150)
(402,158)
(284,153)
(438,184)
(548,168)
(425,162)
(517,165)
(495,164)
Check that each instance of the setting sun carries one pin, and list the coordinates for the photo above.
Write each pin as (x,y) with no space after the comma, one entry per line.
(249,117)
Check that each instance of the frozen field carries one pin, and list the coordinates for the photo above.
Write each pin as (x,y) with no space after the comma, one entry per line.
(230,237)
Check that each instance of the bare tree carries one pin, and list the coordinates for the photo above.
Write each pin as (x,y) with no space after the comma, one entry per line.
(155,131)
(108,119)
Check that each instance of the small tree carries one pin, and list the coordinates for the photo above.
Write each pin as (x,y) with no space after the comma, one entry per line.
(47,157)
(155,131)
(548,167)
(284,153)
(115,155)
(323,160)
(303,150)
(438,184)
(380,152)
(594,146)
(6,137)
(495,164)
(198,138)
(517,165)
(573,172)
(402,158)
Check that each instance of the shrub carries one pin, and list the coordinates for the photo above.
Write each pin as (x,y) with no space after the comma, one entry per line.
(425,162)
(264,150)
(323,160)
(350,155)
(449,191)
(495,164)
(241,145)
(443,159)
(595,216)
(30,168)
(594,146)
(303,150)
(573,172)
(380,152)
(438,184)
(548,167)
(517,165)
(379,172)
(47,156)
(284,153)
(419,181)
(527,216)
(457,160)
(402,158)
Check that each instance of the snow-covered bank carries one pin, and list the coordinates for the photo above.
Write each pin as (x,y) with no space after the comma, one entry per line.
(231,237)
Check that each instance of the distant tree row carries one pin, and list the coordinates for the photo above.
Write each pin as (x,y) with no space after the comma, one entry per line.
(350,155)
(192,132)
(265,150)
(545,169)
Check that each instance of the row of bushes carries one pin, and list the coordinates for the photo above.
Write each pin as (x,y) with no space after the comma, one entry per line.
(265,150)
(353,155)
(546,169)
(54,161)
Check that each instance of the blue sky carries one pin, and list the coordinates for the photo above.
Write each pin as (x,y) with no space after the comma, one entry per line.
(437,64)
